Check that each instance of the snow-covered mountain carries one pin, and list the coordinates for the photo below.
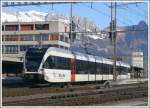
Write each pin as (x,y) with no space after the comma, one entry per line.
(33,16)
(82,24)
(29,16)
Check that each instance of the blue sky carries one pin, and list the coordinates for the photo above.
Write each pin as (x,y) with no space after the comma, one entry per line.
(126,15)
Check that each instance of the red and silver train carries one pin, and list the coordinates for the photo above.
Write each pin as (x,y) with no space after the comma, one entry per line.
(57,65)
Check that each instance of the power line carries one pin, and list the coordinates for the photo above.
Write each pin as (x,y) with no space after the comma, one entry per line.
(120,14)
(125,6)
(133,11)
(107,15)
(103,13)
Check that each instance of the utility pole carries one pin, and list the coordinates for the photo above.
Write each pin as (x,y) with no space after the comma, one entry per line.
(17,13)
(113,36)
(70,24)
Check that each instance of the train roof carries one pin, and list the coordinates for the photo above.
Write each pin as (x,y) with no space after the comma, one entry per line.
(81,56)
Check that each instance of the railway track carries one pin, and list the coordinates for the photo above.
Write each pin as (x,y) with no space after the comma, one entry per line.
(86,97)
(25,91)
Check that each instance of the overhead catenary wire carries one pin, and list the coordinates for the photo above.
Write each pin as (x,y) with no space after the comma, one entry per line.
(134,11)
(103,13)
(121,21)
(124,17)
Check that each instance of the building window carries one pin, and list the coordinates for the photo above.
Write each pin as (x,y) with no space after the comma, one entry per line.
(25,47)
(61,38)
(11,28)
(3,37)
(62,47)
(66,48)
(42,26)
(11,49)
(26,37)
(57,46)
(65,29)
(11,38)
(45,37)
(26,27)
(54,37)
(2,27)
(38,37)
(66,39)
(3,49)
(42,37)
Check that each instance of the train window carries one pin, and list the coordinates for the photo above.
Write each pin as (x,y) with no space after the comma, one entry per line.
(78,65)
(62,63)
(124,70)
(54,62)
(92,67)
(84,67)
(106,69)
(49,63)
(110,69)
(81,67)
(98,67)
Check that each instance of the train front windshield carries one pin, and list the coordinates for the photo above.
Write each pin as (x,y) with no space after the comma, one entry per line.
(33,59)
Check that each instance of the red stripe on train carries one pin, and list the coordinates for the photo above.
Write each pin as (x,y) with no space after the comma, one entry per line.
(72,67)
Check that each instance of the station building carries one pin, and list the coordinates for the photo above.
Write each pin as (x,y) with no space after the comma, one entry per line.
(17,37)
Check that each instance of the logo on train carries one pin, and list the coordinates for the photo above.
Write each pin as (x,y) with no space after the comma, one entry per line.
(58,75)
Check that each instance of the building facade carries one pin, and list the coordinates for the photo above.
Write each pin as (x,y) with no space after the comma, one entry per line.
(137,64)
(137,59)
(17,37)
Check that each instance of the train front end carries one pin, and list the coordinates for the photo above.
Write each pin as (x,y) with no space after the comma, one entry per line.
(32,61)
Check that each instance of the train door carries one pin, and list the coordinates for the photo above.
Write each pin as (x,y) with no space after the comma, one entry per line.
(72,68)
